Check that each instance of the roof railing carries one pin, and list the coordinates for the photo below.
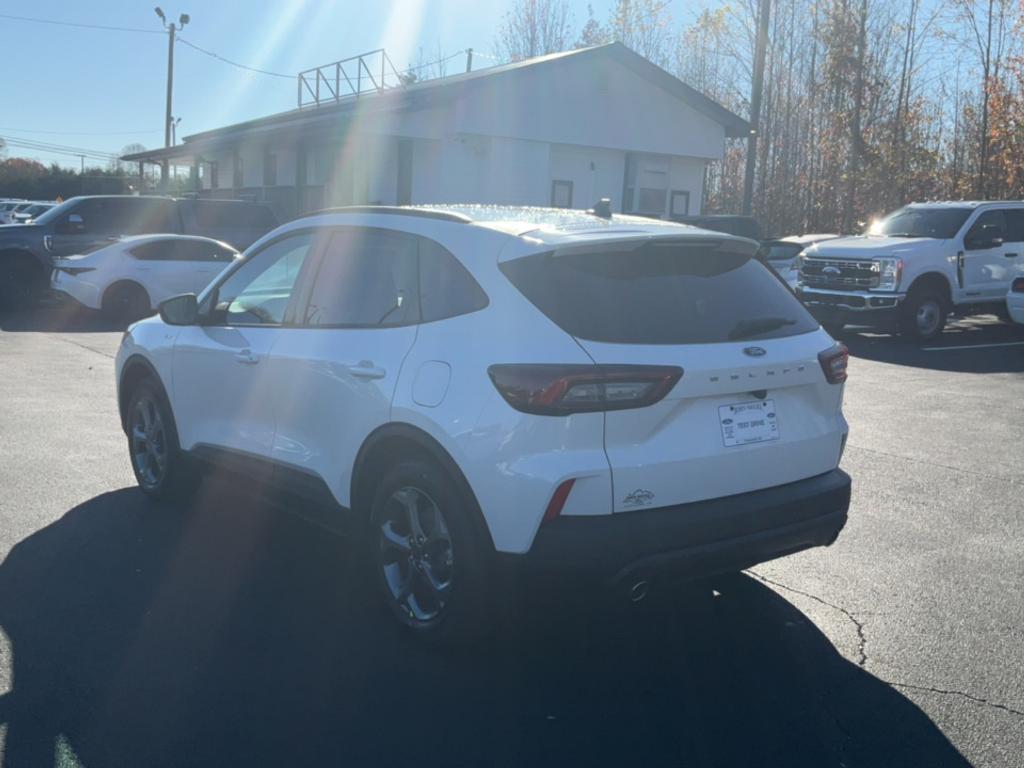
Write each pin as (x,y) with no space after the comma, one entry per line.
(370,72)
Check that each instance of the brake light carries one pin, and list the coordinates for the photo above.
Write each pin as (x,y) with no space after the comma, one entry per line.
(560,390)
(76,270)
(834,361)
(1017,286)
(558,499)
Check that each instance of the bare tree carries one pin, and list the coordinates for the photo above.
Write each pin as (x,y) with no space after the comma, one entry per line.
(534,28)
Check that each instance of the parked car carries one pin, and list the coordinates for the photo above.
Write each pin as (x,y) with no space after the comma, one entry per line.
(27,214)
(128,279)
(475,387)
(917,266)
(10,210)
(741,226)
(781,253)
(1015,300)
(82,224)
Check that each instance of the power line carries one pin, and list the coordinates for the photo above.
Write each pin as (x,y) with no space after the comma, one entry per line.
(81,25)
(79,133)
(233,63)
(442,60)
(58,149)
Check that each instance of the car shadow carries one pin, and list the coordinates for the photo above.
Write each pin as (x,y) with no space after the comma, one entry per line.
(231,633)
(960,349)
(56,315)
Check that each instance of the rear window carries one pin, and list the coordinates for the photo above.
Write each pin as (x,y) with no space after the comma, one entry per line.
(218,214)
(660,293)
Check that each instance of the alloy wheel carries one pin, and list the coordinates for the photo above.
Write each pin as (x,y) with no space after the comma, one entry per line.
(928,313)
(415,554)
(149,442)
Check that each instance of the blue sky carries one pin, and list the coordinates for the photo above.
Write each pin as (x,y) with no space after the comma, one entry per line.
(104,89)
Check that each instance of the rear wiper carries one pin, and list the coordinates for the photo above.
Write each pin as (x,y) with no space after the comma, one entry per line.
(746,329)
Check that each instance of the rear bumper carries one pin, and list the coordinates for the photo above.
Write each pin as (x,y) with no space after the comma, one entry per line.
(696,540)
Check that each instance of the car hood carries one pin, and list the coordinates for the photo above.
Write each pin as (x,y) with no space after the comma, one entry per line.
(868,247)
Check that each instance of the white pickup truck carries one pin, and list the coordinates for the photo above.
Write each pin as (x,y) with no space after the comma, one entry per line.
(917,266)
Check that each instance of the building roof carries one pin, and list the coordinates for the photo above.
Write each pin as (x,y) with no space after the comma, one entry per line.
(429,92)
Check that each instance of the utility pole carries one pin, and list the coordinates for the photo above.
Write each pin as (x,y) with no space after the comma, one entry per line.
(469,60)
(171,31)
(82,158)
(757,85)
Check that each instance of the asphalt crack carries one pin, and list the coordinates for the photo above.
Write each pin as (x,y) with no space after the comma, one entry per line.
(86,347)
(962,694)
(862,640)
(862,656)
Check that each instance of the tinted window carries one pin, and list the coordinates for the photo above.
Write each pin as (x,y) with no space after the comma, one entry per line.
(660,293)
(1015,225)
(127,215)
(214,214)
(182,250)
(258,292)
(446,288)
(989,224)
(939,223)
(367,278)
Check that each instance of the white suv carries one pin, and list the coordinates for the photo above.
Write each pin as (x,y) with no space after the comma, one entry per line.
(469,386)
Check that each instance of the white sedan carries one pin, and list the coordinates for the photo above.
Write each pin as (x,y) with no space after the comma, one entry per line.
(129,278)
(1015,300)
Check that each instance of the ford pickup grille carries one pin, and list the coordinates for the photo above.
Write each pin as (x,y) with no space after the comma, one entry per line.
(838,274)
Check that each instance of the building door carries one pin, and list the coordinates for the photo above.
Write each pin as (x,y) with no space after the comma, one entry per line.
(404,196)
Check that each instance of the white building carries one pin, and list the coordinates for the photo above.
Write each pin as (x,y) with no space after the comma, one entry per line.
(563,130)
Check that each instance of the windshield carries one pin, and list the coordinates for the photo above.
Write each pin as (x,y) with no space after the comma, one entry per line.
(56,212)
(938,223)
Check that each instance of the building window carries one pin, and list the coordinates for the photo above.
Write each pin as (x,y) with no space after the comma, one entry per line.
(680,203)
(239,176)
(269,169)
(561,194)
(214,180)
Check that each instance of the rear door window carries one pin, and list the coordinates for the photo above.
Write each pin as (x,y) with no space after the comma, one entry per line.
(367,279)
(668,292)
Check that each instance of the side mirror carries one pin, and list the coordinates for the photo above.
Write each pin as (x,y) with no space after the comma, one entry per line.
(74,224)
(180,310)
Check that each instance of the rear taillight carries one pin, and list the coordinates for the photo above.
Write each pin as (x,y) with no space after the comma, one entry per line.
(559,390)
(75,270)
(833,362)
(1017,286)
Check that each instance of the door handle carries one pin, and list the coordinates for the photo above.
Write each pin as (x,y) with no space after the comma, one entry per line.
(365,369)
(246,357)
(1010,255)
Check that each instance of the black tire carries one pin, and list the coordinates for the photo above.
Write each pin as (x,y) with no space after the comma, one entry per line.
(21,281)
(834,330)
(923,315)
(175,477)
(126,303)
(459,557)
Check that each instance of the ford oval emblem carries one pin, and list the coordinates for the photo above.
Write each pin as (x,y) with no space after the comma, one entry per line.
(832,271)
(754,351)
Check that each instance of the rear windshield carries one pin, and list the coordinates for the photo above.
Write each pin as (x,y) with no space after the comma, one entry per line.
(660,294)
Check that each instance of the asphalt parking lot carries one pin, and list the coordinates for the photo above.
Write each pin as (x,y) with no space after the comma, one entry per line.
(231,632)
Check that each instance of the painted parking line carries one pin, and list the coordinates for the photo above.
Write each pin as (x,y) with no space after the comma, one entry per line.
(975,346)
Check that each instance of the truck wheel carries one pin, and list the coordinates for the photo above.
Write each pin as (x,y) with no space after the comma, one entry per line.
(20,281)
(427,557)
(923,315)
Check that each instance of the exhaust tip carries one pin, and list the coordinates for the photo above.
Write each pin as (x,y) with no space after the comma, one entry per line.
(639,590)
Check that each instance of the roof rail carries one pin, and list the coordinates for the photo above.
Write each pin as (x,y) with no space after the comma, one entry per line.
(393,210)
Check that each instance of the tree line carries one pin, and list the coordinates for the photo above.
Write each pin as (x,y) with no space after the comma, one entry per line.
(866,104)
